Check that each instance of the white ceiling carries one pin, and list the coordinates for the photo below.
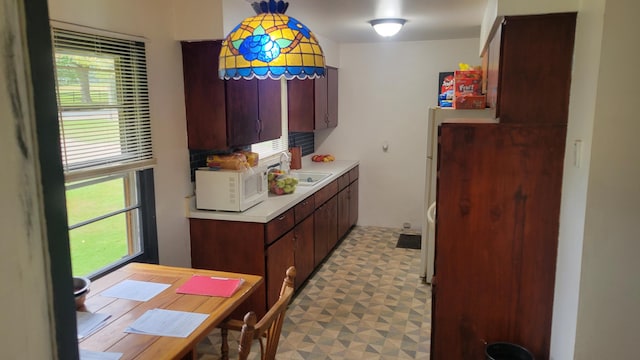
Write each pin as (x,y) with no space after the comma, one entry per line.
(346,21)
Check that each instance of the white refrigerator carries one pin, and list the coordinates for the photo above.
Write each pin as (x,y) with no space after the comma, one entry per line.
(437,116)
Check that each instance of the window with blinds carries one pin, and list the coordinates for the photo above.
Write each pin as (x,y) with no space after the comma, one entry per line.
(105,136)
(103,104)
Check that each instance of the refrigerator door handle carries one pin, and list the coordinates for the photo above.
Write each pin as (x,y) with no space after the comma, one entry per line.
(431,214)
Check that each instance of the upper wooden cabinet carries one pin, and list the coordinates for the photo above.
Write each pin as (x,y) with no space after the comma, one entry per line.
(528,68)
(313,104)
(226,113)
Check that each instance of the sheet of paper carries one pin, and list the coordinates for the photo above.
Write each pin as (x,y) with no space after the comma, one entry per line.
(87,323)
(163,322)
(135,290)
(95,355)
(210,286)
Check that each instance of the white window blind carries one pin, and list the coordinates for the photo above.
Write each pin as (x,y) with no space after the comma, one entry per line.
(103,104)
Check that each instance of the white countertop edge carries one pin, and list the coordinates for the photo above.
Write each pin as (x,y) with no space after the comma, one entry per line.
(276,204)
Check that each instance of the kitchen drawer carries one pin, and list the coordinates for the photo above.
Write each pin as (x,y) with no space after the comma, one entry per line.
(280,225)
(304,208)
(354,174)
(326,193)
(343,181)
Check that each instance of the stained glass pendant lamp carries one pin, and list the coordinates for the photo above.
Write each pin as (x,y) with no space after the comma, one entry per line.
(271,45)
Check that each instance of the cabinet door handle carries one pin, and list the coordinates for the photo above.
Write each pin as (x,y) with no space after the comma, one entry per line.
(282,217)
(258,126)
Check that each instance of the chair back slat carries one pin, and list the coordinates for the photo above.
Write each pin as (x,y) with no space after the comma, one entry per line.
(270,325)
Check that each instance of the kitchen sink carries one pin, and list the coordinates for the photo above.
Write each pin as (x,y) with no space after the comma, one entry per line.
(307,178)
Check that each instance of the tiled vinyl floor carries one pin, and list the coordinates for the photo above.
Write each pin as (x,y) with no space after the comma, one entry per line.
(366,301)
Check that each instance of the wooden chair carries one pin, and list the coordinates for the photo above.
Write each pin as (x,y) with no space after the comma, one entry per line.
(268,327)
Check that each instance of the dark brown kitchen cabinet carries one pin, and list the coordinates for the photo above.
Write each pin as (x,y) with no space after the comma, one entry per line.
(343,213)
(279,257)
(353,203)
(255,113)
(313,104)
(498,206)
(280,225)
(325,220)
(528,62)
(246,247)
(302,236)
(325,229)
(226,113)
(304,208)
(347,201)
(303,250)
(231,246)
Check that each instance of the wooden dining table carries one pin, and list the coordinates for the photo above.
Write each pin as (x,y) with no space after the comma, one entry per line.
(123,312)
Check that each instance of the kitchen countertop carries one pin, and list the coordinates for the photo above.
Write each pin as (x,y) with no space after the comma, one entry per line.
(277,204)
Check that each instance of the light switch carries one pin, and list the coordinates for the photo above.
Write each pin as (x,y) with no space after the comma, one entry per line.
(577,153)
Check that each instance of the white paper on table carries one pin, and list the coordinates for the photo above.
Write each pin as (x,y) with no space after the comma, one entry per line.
(135,290)
(95,355)
(161,322)
(87,323)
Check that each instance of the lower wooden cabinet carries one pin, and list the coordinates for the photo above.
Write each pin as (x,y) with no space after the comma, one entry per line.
(343,212)
(301,236)
(348,203)
(353,203)
(325,229)
(303,250)
(280,256)
(231,246)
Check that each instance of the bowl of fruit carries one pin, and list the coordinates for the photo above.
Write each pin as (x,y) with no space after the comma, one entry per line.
(281,183)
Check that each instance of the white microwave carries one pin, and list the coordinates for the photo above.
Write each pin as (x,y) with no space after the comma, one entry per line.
(230,190)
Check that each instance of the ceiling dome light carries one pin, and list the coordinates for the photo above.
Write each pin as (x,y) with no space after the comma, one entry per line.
(387,27)
(271,45)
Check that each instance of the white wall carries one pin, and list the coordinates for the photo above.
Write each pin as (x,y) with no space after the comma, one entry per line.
(385,90)
(25,318)
(608,315)
(575,179)
(496,9)
(197,19)
(166,94)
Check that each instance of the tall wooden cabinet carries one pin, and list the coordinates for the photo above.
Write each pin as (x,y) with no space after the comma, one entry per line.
(313,104)
(498,197)
(226,113)
(528,70)
(498,207)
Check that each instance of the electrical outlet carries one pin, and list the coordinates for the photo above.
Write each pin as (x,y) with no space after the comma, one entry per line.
(406,226)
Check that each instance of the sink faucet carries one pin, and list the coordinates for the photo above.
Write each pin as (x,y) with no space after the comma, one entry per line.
(285,161)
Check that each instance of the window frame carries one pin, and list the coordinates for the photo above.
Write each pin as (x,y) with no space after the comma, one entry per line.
(143,171)
(147,227)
